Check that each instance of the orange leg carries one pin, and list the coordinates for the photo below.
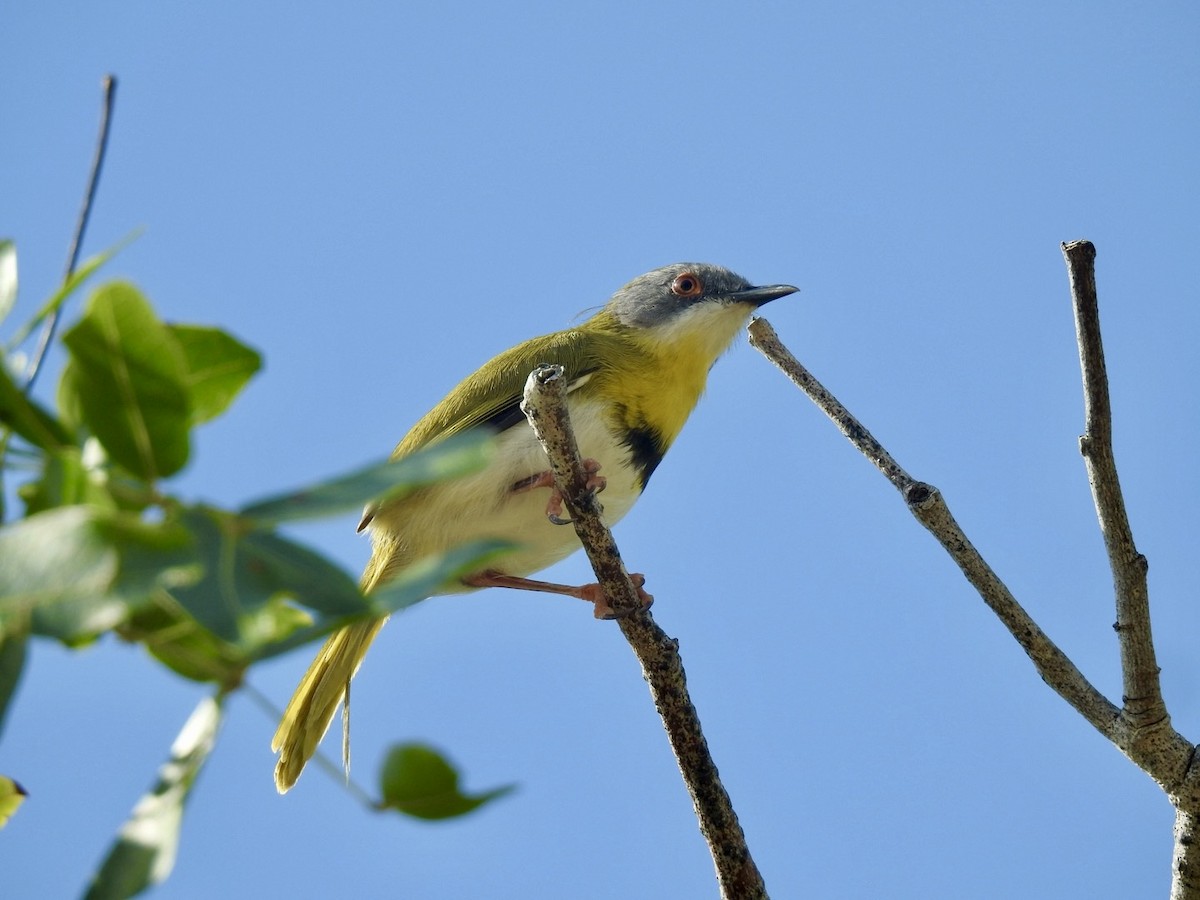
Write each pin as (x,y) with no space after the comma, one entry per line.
(592,593)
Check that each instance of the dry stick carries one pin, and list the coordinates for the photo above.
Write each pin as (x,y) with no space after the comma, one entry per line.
(1155,745)
(545,406)
(925,502)
(109,85)
(1143,732)
(1143,700)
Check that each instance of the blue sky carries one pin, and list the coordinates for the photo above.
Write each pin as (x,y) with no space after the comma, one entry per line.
(381,197)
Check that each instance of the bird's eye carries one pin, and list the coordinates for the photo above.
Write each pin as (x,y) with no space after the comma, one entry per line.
(687,285)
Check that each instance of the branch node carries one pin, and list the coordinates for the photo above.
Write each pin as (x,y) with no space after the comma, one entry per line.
(920,494)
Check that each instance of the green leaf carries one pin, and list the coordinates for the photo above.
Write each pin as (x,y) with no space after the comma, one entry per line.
(153,555)
(214,599)
(218,367)
(131,382)
(306,577)
(189,649)
(236,594)
(81,274)
(13,642)
(245,569)
(8,277)
(60,566)
(12,795)
(66,397)
(184,645)
(418,582)
(236,585)
(451,458)
(26,418)
(145,849)
(418,781)
(78,570)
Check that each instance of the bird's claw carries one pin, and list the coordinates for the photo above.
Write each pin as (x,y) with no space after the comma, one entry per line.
(554,506)
(594,594)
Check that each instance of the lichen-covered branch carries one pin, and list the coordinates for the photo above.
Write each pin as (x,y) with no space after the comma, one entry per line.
(545,407)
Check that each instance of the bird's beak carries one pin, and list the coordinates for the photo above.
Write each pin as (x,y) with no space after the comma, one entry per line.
(757,296)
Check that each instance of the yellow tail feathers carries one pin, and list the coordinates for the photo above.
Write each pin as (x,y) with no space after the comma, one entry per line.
(311,709)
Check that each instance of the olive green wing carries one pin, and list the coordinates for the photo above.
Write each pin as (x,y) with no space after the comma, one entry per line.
(491,397)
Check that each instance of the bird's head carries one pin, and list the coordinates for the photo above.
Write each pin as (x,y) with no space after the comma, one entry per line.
(697,305)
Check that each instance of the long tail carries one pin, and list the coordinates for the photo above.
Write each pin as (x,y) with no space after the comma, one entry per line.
(311,709)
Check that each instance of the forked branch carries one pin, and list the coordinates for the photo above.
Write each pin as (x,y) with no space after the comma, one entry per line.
(1140,727)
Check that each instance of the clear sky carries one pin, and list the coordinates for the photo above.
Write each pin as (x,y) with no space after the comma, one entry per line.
(379,196)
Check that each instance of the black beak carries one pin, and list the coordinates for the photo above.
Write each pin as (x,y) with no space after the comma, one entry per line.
(757,296)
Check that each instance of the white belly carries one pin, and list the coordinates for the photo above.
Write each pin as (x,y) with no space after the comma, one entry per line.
(483,505)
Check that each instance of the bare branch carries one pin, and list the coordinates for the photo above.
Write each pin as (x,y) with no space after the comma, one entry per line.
(109,86)
(545,406)
(1143,699)
(1142,729)
(926,503)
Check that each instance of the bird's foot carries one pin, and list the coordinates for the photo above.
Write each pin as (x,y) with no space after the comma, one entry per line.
(554,506)
(595,595)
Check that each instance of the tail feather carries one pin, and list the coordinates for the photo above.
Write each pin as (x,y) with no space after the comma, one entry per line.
(312,707)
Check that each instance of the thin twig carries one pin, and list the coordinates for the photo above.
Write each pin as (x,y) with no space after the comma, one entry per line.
(332,769)
(1142,730)
(545,406)
(1142,690)
(926,503)
(109,86)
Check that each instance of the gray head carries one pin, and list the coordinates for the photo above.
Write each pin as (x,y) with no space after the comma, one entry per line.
(668,296)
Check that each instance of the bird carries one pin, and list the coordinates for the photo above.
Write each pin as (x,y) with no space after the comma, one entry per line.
(635,371)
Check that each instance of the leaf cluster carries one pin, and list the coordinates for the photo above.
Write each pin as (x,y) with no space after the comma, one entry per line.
(101,544)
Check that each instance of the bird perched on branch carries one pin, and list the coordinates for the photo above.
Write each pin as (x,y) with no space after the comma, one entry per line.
(636,369)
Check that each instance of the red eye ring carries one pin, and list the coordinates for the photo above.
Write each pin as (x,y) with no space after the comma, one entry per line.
(687,284)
